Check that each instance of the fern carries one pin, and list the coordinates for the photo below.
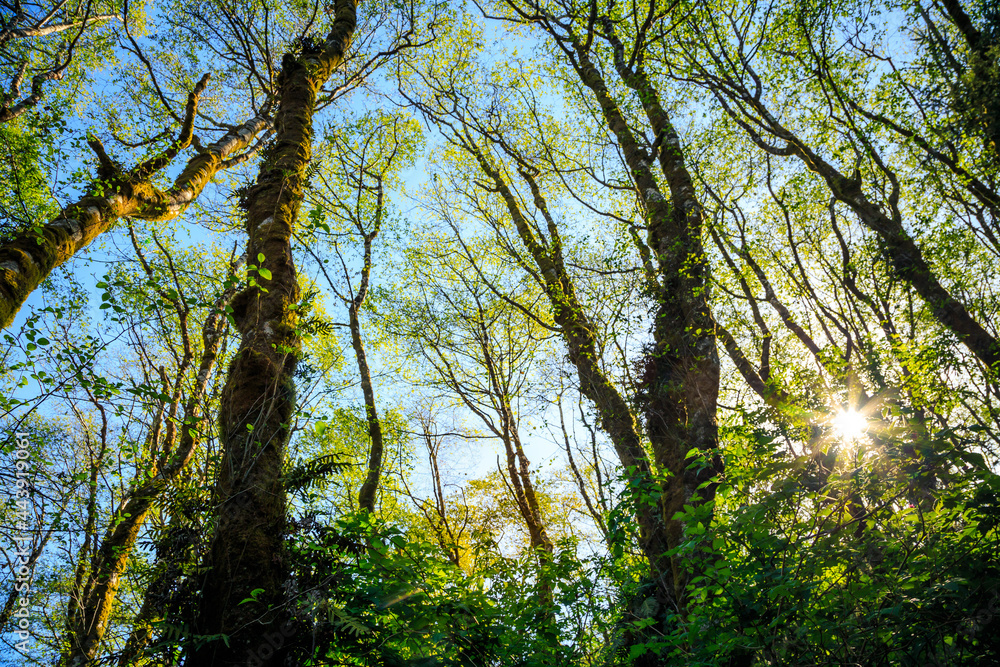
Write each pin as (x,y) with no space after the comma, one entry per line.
(346,622)
(302,476)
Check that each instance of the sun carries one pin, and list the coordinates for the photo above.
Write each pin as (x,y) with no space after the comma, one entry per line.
(850,424)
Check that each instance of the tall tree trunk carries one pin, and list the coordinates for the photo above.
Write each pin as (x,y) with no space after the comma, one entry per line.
(369,489)
(258,401)
(681,383)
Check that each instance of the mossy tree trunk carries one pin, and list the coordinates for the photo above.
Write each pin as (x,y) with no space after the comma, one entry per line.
(246,555)
(681,384)
(28,258)
(577,330)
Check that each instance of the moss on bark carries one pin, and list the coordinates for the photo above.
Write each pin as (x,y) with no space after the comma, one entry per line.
(258,401)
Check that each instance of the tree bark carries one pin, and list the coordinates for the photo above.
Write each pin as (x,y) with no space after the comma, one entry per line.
(369,489)
(258,401)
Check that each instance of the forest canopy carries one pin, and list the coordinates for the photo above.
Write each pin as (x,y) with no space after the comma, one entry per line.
(399,333)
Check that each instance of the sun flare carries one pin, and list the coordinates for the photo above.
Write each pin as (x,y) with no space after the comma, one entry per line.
(850,425)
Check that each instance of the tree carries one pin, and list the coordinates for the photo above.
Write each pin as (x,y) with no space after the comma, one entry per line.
(259,398)
(706,278)
(171,443)
(874,188)
(680,411)
(42,41)
(353,198)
